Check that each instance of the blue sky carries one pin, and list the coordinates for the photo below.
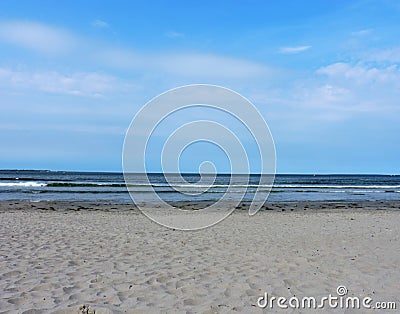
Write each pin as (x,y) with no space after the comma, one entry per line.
(324,74)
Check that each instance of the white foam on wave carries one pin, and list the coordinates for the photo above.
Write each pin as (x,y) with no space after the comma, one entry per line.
(337,186)
(290,186)
(22,184)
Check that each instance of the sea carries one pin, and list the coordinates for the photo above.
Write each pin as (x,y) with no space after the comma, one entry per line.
(108,187)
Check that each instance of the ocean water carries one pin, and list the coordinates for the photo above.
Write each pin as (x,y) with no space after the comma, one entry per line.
(35,185)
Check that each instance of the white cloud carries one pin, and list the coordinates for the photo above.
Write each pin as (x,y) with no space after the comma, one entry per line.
(343,89)
(36,36)
(362,74)
(337,92)
(386,55)
(330,93)
(100,23)
(293,50)
(78,83)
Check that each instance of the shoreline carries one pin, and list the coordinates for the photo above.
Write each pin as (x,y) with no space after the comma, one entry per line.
(187,205)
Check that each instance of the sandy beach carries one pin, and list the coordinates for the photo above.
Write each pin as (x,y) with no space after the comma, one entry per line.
(57,256)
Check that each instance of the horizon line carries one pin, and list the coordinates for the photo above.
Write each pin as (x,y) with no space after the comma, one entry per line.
(219,173)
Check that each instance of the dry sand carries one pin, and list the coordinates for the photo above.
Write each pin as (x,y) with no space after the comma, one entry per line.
(57,256)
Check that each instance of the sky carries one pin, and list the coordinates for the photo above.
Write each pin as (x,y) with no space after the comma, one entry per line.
(324,75)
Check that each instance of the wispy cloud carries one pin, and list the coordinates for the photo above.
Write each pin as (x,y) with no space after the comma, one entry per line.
(193,65)
(51,40)
(293,50)
(106,129)
(173,34)
(78,83)
(99,23)
(210,66)
(362,32)
(36,36)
